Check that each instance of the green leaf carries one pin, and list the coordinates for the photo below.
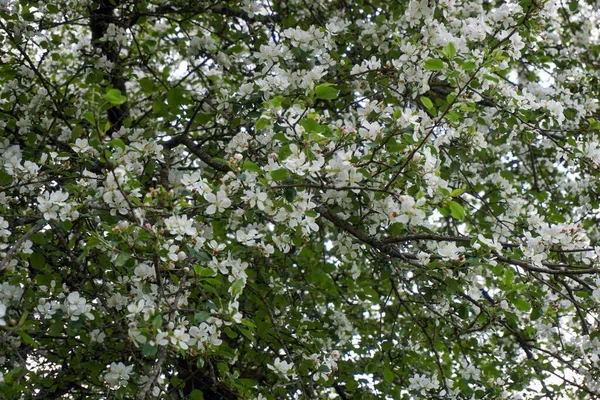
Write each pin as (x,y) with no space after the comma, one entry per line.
(201,316)
(122,258)
(196,395)
(176,97)
(279,174)
(388,375)
(573,6)
(456,210)
(468,66)
(249,323)
(117,143)
(5,179)
(237,286)
(147,85)
(157,321)
(426,102)
(262,123)
(90,117)
(450,50)
(28,339)
(114,97)
(149,351)
(250,166)
(326,91)
(201,271)
(434,64)
(310,125)
(23,318)
(37,260)
(536,313)
(521,304)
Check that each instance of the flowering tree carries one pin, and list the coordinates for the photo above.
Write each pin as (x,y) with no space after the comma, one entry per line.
(299,199)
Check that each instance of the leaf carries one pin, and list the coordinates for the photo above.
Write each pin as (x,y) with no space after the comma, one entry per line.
(388,375)
(37,260)
(536,313)
(5,179)
(23,318)
(28,339)
(310,125)
(262,123)
(456,210)
(279,174)
(244,331)
(326,91)
(521,304)
(250,166)
(147,85)
(249,323)
(196,395)
(89,117)
(426,102)
(176,97)
(201,271)
(434,64)
(157,321)
(118,143)
(450,50)
(114,97)
(237,286)
(122,258)
(468,66)
(149,351)
(201,316)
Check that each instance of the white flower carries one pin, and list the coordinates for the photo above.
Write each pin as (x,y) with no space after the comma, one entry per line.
(2,314)
(75,305)
(97,336)
(118,375)
(556,109)
(180,338)
(255,199)
(219,202)
(81,146)
(135,309)
(411,213)
(47,309)
(161,338)
(596,294)
(144,271)
(449,251)
(370,130)
(50,203)
(4,232)
(180,226)
(281,367)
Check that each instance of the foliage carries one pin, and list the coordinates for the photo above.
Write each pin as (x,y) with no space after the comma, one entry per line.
(299,199)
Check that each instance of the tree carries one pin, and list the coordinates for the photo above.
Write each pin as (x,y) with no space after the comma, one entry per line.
(299,199)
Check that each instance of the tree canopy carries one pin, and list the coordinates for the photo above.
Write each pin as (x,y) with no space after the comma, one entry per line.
(316,199)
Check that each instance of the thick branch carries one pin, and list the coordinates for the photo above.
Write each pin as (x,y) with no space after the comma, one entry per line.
(13,250)
(100,19)
(197,151)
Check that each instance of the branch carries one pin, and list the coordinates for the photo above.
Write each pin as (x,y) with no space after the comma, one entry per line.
(530,267)
(438,238)
(197,151)
(13,250)
(162,355)
(363,237)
